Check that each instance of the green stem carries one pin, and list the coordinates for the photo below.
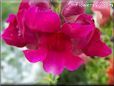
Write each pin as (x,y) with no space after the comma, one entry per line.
(56,5)
(53,79)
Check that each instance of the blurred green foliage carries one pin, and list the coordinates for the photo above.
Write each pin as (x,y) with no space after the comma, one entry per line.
(9,7)
(94,72)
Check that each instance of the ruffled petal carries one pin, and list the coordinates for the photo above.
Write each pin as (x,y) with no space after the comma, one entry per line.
(80,33)
(43,20)
(85,19)
(24,5)
(12,35)
(11,19)
(73,62)
(35,55)
(96,47)
(73,7)
(54,63)
(30,37)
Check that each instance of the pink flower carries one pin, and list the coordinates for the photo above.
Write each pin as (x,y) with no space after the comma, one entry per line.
(61,49)
(56,45)
(102,10)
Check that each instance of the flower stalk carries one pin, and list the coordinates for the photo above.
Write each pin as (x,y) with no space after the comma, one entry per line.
(53,79)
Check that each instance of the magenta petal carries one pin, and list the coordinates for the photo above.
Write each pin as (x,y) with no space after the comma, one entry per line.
(30,37)
(11,18)
(43,20)
(35,55)
(73,7)
(80,33)
(73,10)
(12,35)
(85,19)
(96,47)
(41,3)
(24,5)
(73,62)
(54,63)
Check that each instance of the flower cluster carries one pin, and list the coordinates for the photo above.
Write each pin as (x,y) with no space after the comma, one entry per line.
(56,44)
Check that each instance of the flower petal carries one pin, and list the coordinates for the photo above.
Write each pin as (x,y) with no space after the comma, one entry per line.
(24,5)
(73,7)
(80,33)
(30,37)
(54,63)
(35,55)
(73,62)
(96,47)
(12,35)
(11,18)
(43,20)
(41,3)
(85,19)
